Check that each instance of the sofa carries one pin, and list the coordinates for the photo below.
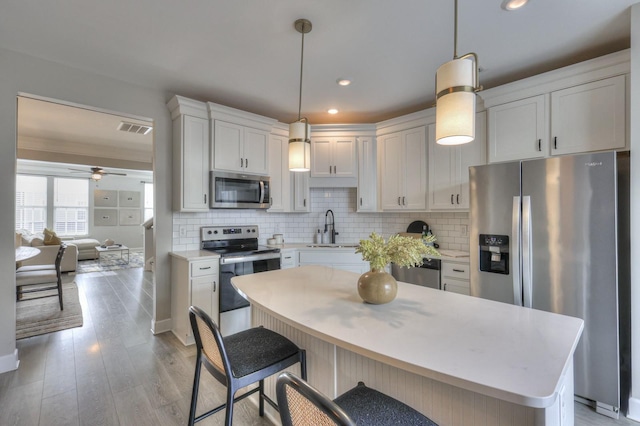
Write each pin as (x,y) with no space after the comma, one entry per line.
(79,249)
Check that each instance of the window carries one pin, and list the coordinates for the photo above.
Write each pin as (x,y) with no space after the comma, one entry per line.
(148,201)
(31,203)
(71,206)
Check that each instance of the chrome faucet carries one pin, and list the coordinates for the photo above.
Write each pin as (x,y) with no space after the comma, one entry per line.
(333,225)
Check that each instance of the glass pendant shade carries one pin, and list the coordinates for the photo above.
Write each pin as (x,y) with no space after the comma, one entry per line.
(299,147)
(456,102)
(96,176)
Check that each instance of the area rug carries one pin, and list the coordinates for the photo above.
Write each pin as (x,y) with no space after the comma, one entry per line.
(112,262)
(42,316)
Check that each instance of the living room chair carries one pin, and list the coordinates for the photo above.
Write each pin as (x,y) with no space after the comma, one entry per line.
(239,360)
(41,278)
(303,405)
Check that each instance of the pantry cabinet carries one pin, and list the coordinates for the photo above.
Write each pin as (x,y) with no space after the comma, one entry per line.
(190,155)
(449,168)
(589,117)
(333,157)
(194,282)
(279,173)
(403,170)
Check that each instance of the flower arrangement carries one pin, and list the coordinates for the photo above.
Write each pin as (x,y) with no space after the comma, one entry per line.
(403,251)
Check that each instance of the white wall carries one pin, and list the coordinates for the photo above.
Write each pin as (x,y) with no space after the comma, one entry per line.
(450,228)
(634,401)
(22,73)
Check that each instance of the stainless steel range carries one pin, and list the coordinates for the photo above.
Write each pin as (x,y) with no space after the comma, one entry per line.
(240,254)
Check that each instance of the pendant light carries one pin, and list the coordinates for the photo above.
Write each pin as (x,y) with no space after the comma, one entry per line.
(456,87)
(299,132)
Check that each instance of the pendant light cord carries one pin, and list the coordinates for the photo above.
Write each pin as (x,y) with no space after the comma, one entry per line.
(301,63)
(455,30)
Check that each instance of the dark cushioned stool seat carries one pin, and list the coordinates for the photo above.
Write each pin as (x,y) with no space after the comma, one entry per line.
(367,406)
(254,349)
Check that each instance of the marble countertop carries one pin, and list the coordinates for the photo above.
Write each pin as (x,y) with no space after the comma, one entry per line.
(512,353)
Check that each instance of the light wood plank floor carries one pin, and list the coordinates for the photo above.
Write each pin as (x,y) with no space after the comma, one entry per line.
(112,371)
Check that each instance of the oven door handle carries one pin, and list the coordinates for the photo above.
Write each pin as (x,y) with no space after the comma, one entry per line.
(241,259)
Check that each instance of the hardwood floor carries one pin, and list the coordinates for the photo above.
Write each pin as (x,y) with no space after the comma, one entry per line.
(112,371)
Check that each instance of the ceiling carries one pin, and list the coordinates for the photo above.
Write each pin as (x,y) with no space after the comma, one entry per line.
(246,54)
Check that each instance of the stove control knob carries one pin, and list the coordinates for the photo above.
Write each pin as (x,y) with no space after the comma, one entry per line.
(215,232)
(209,232)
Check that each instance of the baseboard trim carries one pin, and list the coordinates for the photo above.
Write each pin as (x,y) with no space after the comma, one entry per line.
(9,362)
(162,326)
(634,409)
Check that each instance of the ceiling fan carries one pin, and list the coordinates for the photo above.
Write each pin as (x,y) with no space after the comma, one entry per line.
(96,172)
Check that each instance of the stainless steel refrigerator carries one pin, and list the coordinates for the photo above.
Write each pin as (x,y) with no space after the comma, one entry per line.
(553,234)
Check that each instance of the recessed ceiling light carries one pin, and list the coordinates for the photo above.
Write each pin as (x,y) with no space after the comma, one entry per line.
(343,81)
(332,111)
(513,4)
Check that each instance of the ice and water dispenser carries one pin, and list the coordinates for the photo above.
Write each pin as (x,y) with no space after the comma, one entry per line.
(494,253)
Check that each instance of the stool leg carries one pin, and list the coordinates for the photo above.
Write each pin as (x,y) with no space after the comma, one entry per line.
(194,392)
(261,398)
(303,364)
(60,294)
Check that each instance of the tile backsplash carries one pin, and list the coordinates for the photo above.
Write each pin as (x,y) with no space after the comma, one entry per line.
(450,228)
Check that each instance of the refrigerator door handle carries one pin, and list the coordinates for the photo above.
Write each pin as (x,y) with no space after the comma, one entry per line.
(515,252)
(527,253)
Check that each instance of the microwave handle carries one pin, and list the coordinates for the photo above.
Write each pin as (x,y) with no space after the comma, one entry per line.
(261,191)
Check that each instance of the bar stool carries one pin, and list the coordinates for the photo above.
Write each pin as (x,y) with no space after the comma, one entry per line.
(303,405)
(239,360)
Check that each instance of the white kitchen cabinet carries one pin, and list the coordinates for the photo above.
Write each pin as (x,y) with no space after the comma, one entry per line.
(239,148)
(589,117)
(518,130)
(193,282)
(403,170)
(333,157)
(455,277)
(367,183)
(338,258)
(279,173)
(190,154)
(288,258)
(449,168)
(301,195)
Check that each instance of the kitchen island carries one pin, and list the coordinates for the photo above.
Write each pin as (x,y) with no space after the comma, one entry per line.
(457,359)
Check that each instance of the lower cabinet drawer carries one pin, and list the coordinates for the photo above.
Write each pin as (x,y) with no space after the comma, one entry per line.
(204,267)
(455,270)
(456,286)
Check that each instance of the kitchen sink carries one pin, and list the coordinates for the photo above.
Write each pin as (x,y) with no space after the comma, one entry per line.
(333,245)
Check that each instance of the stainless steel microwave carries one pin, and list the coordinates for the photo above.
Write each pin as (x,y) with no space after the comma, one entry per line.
(238,191)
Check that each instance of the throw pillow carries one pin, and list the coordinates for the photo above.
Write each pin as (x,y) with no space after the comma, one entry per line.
(18,240)
(50,238)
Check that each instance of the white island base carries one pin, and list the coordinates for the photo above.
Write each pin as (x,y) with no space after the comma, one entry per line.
(457,359)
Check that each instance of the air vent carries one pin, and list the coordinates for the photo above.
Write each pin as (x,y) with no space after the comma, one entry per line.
(134,128)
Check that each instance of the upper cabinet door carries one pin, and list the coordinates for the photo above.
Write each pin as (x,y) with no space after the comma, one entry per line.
(227,146)
(194,140)
(321,159)
(367,200)
(278,172)
(415,169)
(391,173)
(517,130)
(344,157)
(442,183)
(255,151)
(589,117)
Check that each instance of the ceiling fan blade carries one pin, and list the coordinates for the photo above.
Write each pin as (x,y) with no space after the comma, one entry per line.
(79,171)
(113,173)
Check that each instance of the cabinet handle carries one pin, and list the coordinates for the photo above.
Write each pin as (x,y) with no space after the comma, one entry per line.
(271,200)
(457,198)
(304,202)
(329,169)
(241,163)
(214,286)
(540,145)
(458,270)
(555,142)
(335,170)
(205,198)
(287,257)
(451,198)
(445,287)
(360,201)
(246,162)
(403,202)
(399,201)
(205,268)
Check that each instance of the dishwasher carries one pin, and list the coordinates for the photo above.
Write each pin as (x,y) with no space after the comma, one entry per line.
(426,275)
